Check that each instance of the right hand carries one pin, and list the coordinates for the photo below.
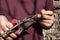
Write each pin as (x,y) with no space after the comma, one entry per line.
(5,25)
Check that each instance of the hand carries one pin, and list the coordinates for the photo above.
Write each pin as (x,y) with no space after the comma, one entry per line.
(47,18)
(5,25)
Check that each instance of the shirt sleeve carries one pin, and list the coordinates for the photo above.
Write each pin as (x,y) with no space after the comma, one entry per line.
(49,5)
(4,9)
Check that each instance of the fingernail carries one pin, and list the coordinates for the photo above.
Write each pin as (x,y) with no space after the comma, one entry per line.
(17,32)
(13,21)
(9,38)
(13,35)
(38,15)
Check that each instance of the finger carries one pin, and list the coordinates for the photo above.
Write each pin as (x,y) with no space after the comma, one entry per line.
(2,33)
(4,28)
(13,35)
(44,12)
(48,21)
(9,25)
(1,38)
(48,17)
(46,24)
(9,38)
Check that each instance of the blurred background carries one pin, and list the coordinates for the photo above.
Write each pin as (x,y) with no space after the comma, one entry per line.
(54,32)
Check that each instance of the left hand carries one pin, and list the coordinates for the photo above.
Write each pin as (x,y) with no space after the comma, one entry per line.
(48,18)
